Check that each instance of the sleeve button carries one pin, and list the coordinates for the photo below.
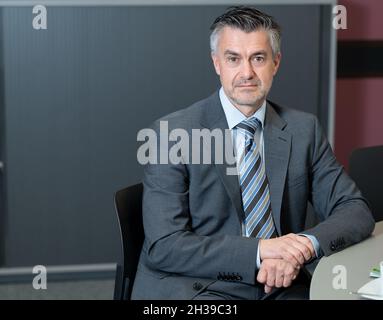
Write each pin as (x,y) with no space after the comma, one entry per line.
(197,286)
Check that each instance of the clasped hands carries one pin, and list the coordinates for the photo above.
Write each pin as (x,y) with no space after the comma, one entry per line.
(282,259)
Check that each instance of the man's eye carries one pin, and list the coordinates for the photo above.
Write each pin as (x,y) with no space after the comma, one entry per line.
(232,59)
(259,59)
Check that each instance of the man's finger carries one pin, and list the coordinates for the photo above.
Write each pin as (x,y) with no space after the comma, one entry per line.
(303,249)
(271,277)
(288,256)
(287,282)
(296,253)
(279,278)
(268,289)
(307,242)
(262,275)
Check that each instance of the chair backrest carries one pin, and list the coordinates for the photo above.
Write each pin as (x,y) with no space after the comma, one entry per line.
(366,169)
(128,204)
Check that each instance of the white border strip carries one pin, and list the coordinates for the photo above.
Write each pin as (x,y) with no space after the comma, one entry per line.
(13,3)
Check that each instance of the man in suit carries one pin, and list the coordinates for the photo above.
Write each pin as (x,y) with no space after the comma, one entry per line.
(214,235)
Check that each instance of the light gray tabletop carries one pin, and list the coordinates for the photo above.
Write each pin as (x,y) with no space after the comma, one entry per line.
(351,266)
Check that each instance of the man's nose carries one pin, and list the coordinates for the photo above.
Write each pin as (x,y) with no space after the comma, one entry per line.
(247,70)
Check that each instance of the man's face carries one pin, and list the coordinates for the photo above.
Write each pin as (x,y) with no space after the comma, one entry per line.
(246,66)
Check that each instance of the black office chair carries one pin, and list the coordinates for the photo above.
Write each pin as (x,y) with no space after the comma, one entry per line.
(128,204)
(366,169)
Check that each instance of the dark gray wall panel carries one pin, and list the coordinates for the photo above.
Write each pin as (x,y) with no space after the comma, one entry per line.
(76,95)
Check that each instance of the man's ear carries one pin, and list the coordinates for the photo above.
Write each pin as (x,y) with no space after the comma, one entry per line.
(277,62)
(215,62)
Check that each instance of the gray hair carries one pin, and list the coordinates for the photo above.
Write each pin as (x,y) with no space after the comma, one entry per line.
(247,19)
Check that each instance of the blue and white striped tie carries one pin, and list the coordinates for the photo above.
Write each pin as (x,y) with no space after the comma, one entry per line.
(254,185)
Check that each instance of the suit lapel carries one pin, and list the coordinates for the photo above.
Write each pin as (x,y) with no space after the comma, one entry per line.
(231,182)
(277,145)
(214,118)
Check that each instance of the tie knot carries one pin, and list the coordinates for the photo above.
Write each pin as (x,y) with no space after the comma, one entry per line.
(249,126)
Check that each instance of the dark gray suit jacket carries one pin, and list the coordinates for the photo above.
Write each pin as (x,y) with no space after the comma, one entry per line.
(192,212)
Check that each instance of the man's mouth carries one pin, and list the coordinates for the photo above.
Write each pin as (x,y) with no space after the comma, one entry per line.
(248,86)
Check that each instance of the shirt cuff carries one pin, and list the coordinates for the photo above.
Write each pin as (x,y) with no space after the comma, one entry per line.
(258,258)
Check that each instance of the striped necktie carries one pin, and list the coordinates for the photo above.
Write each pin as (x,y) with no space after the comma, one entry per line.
(254,185)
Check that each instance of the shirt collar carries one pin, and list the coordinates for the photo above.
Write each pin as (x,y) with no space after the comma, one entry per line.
(234,116)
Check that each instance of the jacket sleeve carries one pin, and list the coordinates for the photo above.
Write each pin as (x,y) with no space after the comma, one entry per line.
(345,215)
